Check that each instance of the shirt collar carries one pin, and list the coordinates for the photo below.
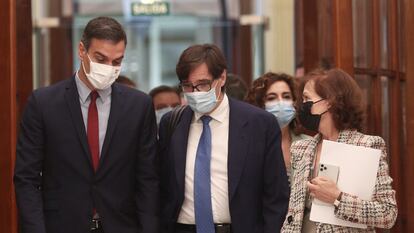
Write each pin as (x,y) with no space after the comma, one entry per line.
(84,91)
(220,113)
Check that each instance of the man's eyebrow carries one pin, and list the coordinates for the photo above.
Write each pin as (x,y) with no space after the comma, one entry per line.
(204,80)
(197,82)
(105,57)
(119,58)
(100,54)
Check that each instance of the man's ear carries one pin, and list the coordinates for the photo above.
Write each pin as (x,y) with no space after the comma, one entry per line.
(223,78)
(81,51)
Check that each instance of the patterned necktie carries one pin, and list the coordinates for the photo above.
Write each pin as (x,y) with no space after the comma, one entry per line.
(93,130)
(202,185)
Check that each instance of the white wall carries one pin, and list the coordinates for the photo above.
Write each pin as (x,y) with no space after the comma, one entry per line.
(280,36)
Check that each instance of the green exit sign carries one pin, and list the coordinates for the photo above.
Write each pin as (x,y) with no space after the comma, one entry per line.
(151,9)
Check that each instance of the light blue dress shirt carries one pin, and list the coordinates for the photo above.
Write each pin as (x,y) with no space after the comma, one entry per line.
(103,103)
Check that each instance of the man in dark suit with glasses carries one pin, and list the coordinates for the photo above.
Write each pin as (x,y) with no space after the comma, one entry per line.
(222,168)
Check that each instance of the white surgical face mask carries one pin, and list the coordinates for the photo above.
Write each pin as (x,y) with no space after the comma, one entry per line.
(101,76)
(282,110)
(161,112)
(202,102)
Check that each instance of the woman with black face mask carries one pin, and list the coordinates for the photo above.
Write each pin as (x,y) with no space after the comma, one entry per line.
(332,108)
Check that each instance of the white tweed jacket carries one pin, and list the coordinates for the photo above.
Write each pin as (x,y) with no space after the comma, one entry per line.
(379,212)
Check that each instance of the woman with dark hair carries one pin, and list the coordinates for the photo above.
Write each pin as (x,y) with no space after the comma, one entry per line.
(332,108)
(276,93)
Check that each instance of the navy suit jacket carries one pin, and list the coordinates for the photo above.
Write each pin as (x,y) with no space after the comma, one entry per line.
(53,142)
(257,180)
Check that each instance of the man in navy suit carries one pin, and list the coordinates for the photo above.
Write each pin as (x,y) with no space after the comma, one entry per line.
(87,146)
(222,169)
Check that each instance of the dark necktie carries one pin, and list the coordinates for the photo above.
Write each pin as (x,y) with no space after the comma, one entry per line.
(202,183)
(93,130)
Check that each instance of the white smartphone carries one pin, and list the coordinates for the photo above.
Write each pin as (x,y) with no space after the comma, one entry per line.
(328,171)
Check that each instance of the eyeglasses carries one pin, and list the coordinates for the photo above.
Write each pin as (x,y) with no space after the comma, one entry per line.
(204,86)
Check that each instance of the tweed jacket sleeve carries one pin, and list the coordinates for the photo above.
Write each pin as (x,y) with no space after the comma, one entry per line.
(301,152)
(381,210)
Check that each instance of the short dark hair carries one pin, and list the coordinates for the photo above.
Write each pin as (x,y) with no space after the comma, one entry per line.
(343,94)
(257,92)
(161,89)
(196,55)
(125,81)
(236,87)
(103,28)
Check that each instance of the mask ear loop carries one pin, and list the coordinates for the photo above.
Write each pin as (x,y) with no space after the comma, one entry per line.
(83,62)
(318,102)
(83,66)
(324,112)
(218,97)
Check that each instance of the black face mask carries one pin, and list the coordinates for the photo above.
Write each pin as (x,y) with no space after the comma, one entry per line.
(307,119)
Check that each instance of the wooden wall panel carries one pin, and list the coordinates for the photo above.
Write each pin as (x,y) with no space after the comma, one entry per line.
(15,86)
(245,44)
(396,119)
(8,222)
(60,47)
(376,95)
(326,34)
(343,35)
(299,29)
(408,167)
(310,35)
(24,53)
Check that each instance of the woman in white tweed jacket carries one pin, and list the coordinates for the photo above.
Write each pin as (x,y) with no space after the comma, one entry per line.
(332,107)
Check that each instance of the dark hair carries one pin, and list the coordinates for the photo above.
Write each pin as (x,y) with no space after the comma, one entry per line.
(125,81)
(103,28)
(155,91)
(257,92)
(196,55)
(236,87)
(343,94)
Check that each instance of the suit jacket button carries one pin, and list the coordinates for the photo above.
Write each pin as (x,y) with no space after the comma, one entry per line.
(290,219)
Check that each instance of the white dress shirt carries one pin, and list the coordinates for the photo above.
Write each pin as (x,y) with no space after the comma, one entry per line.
(219,126)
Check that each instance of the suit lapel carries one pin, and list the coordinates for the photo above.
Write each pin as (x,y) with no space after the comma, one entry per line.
(72,99)
(179,141)
(114,114)
(237,147)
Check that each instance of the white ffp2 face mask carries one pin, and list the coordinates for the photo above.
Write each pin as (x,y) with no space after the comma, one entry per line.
(101,76)
(202,102)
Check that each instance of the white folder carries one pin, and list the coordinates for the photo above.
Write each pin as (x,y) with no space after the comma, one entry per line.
(358,167)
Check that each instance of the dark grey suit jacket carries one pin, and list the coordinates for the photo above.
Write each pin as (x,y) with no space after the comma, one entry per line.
(257,180)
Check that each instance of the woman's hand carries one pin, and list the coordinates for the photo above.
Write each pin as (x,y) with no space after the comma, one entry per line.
(323,189)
